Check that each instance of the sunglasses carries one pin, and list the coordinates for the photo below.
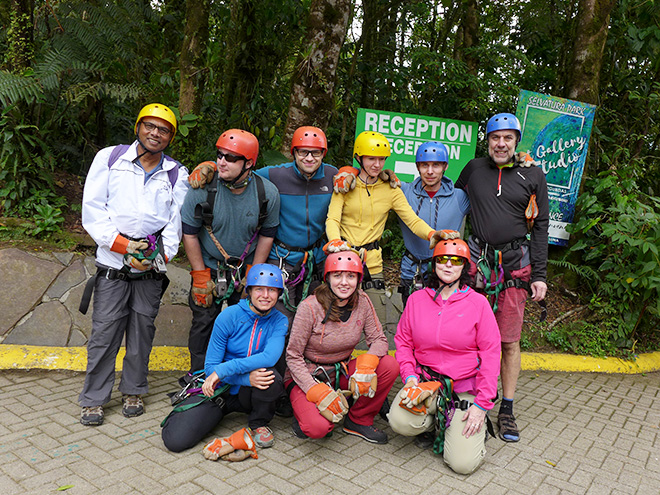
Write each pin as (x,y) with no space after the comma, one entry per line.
(163,131)
(305,153)
(454,260)
(230,158)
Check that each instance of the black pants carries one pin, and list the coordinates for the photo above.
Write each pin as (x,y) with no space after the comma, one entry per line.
(201,328)
(185,429)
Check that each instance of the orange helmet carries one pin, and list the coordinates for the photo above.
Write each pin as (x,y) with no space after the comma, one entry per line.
(308,136)
(241,142)
(452,247)
(343,261)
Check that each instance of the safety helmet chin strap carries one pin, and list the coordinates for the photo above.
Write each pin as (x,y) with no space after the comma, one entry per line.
(359,160)
(327,313)
(442,286)
(234,184)
(255,309)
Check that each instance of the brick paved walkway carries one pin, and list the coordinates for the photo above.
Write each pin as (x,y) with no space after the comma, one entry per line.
(581,433)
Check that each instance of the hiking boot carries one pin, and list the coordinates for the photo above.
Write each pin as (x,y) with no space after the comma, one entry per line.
(384,410)
(132,405)
(92,416)
(297,431)
(425,440)
(263,436)
(508,427)
(368,432)
(283,407)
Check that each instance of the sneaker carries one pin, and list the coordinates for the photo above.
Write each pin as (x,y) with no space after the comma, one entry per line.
(384,410)
(283,407)
(508,428)
(425,440)
(297,431)
(368,432)
(263,436)
(92,416)
(132,405)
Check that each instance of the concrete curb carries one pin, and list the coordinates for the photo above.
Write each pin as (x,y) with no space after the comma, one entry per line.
(167,358)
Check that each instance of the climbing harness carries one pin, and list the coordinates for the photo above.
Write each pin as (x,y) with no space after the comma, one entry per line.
(194,388)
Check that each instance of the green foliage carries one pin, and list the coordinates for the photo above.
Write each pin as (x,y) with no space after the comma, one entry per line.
(619,238)
(584,338)
(47,219)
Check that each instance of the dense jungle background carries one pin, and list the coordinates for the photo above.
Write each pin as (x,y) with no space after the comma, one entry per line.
(74,75)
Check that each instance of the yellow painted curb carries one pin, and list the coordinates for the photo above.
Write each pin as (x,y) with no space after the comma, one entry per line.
(167,358)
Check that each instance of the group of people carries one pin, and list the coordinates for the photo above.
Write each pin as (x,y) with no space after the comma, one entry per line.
(292,254)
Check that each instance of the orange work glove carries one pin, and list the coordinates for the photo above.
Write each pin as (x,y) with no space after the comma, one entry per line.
(387,175)
(331,404)
(345,179)
(203,288)
(237,447)
(438,235)
(523,159)
(335,246)
(202,175)
(418,398)
(141,265)
(364,380)
(123,245)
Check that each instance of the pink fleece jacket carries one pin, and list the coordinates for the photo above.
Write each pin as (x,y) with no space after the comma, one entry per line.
(329,342)
(458,337)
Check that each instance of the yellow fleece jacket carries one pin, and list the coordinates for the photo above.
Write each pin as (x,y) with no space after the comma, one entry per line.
(359,217)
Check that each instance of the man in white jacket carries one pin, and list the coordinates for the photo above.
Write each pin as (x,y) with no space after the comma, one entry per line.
(131,208)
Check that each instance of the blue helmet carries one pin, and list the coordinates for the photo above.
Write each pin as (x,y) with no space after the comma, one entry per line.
(503,122)
(265,275)
(432,151)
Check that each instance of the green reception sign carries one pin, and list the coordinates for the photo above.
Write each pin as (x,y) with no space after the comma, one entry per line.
(406,132)
(555,132)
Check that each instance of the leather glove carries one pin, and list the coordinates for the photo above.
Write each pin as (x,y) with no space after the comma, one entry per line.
(202,174)
(237,447)
(335,246)
(419,398)
(203,288)
(364,380)
(331,404)
(345,179)
(440,235)
(387,175)
(123,245)
(523,159)
(139,264)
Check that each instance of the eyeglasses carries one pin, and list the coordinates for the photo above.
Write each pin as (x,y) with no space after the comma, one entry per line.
(305,153)
(163,131)
(455,260)
(230,158)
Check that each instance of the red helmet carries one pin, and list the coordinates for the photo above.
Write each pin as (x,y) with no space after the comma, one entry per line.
(452,247)
(343,261)
(240,142)
(308,136)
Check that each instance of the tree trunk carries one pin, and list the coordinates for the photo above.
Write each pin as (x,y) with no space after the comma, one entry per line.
(466,41)
(593,19)
(193,54)
(313,83)
(20,36)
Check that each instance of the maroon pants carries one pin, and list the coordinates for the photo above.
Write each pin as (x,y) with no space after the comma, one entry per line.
(361,412)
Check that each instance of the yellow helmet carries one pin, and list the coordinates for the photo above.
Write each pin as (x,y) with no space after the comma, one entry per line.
(157,110)
(371,143)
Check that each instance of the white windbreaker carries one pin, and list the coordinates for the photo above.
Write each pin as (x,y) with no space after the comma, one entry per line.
(117,200)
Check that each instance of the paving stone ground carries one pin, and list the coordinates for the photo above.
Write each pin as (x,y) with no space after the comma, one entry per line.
(581,434)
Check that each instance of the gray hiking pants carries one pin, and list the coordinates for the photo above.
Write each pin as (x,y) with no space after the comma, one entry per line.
(120,307)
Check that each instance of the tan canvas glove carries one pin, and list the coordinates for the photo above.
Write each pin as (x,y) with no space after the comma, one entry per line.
(202,174)
(364,381)
(331,404)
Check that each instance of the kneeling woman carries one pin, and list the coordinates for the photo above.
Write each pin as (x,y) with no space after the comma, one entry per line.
(447,329)
(325,331)
(247,340)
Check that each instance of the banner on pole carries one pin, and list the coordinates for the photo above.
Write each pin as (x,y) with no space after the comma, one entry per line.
(406,132)
(556,132)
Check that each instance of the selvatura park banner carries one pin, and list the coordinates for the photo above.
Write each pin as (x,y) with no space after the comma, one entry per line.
(406,132)
(556,132)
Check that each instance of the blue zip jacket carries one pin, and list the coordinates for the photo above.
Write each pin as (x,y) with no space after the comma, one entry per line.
(445,210)
(303,208)
(243,341)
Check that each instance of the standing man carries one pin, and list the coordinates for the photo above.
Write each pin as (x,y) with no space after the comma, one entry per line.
(131,208)
(435,200)
(509,199)
(227,226)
